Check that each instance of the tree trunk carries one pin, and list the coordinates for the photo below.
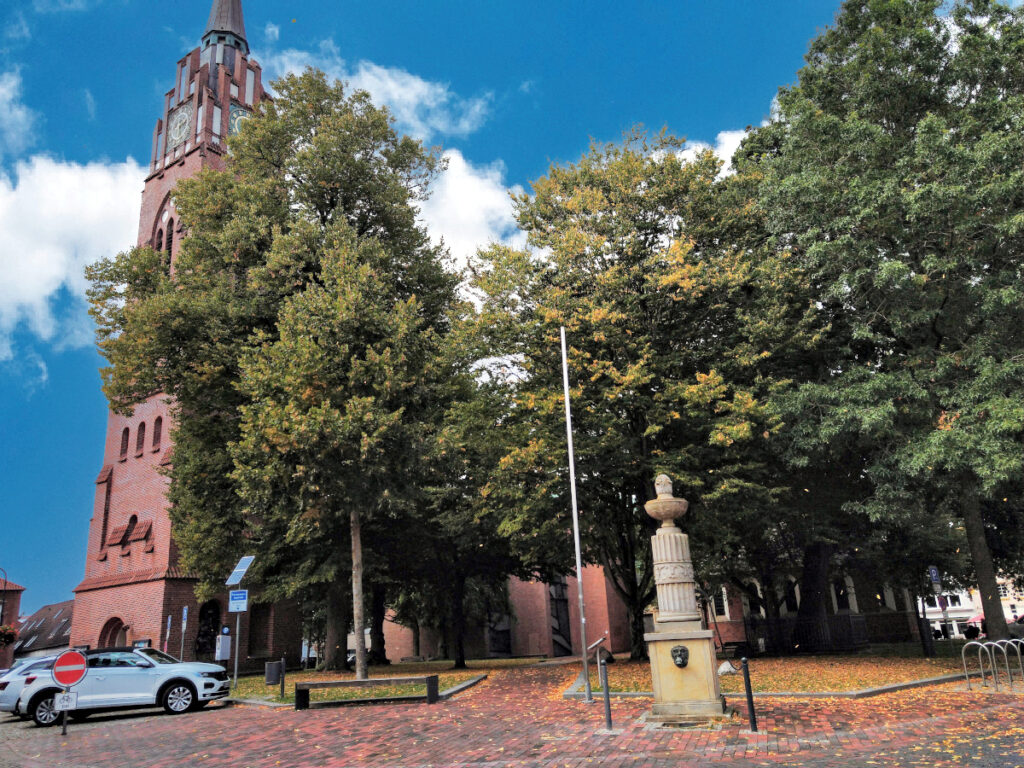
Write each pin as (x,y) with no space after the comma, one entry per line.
(378,610)
(416,638)
(637,644)
(812,632)
(927,646)
(635,595)
(459,620)
(358,617)
(336,633)
(981,556)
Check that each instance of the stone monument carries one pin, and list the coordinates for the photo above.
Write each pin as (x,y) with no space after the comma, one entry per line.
(682,652)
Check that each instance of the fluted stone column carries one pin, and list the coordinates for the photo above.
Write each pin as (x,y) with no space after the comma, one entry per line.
(673,576)
(691,691)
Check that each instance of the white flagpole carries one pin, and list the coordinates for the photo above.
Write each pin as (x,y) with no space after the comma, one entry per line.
(575,521)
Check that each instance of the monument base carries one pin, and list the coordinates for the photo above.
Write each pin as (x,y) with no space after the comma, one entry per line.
(689,693)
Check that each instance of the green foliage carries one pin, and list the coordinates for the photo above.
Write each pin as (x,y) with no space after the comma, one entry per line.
(893,171)
(673,323)
(300,324)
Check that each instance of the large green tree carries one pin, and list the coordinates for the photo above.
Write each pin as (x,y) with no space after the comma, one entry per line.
(314,176)
(673,322)
(894,172)
(339,407)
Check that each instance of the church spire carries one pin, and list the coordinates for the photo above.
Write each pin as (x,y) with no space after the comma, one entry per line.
(226,25)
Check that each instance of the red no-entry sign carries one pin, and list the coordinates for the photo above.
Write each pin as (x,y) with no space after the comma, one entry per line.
(69,668)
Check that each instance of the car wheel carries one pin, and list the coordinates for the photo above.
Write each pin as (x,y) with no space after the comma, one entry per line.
(42,709)
(178,698)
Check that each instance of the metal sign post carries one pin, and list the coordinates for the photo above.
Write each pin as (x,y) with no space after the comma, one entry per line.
(575,521)
(238,603)
(69,669)
(936,579)
(184,623)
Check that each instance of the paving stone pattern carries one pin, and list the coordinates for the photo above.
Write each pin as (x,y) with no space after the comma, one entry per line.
(518,718)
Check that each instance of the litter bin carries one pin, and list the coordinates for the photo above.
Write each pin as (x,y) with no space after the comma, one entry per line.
(274,670)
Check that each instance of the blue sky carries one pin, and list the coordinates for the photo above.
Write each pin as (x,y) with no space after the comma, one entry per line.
(505,88)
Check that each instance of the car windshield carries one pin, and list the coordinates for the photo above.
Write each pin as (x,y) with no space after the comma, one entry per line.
(158,656)
(36,667)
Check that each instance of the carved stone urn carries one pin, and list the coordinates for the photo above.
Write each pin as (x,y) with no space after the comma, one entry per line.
(666,507)
(685,691)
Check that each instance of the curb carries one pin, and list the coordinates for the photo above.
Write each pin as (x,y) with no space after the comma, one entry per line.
(256,703)
(442,696)
(457,689)
(575,691)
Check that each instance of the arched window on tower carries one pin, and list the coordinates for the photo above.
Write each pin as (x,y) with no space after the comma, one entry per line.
(170,238)
(129,530)
(158,428)
(140,439)
(158,244)
(124,444)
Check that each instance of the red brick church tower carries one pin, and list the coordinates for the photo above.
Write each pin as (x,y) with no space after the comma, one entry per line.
(134,590)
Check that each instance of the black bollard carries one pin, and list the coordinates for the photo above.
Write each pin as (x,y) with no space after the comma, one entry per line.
(750,696)
(602,668)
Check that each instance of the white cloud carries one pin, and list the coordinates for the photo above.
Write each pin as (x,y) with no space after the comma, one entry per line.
(422,108)
(726,144)
(56,217)
(470,207)
(16,120)
(29,369)
(17,28)
(272,32)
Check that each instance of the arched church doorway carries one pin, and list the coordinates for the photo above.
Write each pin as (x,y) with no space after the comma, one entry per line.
(113,634)
(209,626)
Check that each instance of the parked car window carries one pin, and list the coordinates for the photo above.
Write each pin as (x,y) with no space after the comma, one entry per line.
(158,656)
(126,659)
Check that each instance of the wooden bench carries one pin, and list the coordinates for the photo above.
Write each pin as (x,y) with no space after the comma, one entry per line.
(302,689)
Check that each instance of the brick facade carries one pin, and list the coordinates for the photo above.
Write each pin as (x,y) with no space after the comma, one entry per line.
(10,593)
(133,588)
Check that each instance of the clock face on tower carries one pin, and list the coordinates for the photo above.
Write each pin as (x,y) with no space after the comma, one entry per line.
(236,117)
(178,125)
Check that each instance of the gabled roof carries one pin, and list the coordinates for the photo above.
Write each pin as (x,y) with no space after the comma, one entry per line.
(49,627)
(226,16)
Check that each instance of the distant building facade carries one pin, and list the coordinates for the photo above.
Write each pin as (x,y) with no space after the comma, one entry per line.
(964,609)
(10,605)
(45,632)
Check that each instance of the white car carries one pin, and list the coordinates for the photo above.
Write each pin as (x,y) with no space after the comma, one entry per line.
(123,678)
(12,682)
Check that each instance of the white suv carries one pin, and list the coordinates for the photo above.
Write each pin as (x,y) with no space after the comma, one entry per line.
(125,678)
(13,681)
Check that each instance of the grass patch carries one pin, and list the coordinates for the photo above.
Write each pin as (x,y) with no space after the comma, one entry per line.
(800,674)
(253,687)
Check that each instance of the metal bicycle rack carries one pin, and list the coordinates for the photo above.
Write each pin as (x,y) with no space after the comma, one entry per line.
(989,651)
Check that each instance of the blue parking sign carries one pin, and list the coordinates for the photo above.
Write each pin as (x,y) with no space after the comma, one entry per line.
(238,600)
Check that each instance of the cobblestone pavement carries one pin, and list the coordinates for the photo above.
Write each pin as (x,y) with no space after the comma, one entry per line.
(518,719)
